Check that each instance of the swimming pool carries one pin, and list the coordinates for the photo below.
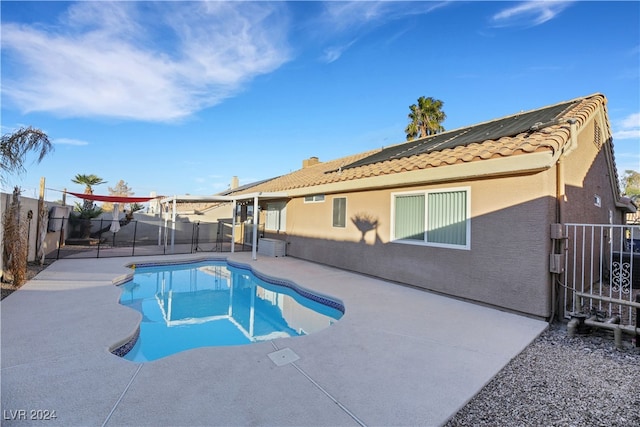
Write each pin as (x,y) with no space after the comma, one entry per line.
(216,303)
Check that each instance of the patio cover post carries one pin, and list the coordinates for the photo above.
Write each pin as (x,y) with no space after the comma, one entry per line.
(233,226)
(255,228)
(160,226)
(173,224)
(166,225)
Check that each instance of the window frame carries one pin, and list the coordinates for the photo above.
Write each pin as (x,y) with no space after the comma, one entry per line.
(425,242)
(315,198)
(333,213)
(281,215)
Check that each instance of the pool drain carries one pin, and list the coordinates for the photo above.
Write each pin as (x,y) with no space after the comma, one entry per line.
(283,357)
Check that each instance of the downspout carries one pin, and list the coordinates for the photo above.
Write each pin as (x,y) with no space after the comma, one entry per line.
(560,191)
(559,244)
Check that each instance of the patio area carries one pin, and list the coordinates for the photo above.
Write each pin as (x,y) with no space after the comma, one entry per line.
(399,356)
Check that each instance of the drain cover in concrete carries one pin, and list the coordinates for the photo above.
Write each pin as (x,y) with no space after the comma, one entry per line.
(283,357)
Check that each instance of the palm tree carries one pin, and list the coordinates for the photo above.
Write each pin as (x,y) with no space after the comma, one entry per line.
(425,118)
(88,210)
(88,181)
(14,147)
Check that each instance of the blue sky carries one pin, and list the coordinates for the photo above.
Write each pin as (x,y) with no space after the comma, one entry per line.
(178,97)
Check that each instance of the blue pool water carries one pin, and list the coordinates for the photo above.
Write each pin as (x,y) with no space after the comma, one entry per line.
(213,303)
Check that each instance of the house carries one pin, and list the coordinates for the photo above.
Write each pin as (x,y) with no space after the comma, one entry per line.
(466,213)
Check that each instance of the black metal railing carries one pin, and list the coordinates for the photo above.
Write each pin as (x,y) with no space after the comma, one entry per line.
(96,238)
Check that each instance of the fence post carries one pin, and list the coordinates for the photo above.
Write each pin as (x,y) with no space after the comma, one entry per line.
(60,239)
(135,231)
(195,236)
(99,238)
(637,321)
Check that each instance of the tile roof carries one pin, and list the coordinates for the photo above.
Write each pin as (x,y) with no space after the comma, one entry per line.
(540,130)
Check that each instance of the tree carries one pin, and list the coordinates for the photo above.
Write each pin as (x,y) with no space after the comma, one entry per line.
(88,210)
(88,181)
(14,251)
(15,146)
(631,185)
(121,189)
(425,118)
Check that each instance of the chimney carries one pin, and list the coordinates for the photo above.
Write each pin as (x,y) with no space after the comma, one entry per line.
(234,183)
(310,162)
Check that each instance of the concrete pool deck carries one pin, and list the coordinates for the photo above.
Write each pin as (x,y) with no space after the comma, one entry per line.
(398,357)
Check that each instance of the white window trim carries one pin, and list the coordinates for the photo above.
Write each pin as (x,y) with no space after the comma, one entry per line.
(282,217)
(467,246)
(345,212)
(314,198)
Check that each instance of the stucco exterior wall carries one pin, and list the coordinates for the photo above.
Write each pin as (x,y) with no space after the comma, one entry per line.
(587,175)
(506,266)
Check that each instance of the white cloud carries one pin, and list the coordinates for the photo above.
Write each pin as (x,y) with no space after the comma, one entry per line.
(631,121)
(627,134)
(351,19)
(113,60)
(69,141)
(626,139)
(529,13)
(347,15)
(333,53)
(628,127)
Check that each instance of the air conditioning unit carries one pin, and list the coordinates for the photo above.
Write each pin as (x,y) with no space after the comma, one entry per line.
(272,247)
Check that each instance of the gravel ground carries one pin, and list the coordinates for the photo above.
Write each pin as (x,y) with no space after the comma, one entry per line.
(562,381)
(33,268)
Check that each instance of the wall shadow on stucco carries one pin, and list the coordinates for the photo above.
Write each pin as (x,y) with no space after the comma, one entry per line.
(365,223)
(506,266)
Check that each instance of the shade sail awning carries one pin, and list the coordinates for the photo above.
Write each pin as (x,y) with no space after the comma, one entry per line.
(112,199)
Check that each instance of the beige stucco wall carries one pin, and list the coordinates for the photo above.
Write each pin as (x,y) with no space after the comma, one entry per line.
(586,175)
(506,265)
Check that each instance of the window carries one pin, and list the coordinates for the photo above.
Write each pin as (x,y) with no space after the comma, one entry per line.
(276,216)
(597,200)
(314,199)
(434,218)
(340,212)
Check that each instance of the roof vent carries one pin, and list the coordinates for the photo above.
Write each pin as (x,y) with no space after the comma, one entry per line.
(310,162)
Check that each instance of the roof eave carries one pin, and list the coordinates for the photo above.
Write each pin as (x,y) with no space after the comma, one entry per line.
(626,205)
(261,195)
(504,166)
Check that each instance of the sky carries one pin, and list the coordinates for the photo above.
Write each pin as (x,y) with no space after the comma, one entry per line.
(179,97)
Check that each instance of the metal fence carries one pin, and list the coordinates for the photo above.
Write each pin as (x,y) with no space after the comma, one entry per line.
(77,238)
(602,271)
